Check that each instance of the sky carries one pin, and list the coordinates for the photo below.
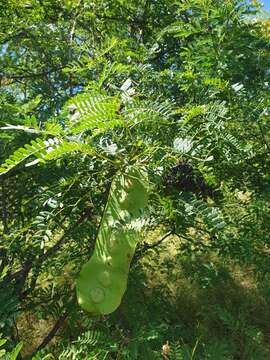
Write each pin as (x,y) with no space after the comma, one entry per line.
(266,4)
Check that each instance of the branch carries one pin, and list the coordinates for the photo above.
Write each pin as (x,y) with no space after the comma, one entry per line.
(51,252)
(59,323)
(21,274)
(77,13)
(147,247)
(20,33)
(4,207)
(30,76)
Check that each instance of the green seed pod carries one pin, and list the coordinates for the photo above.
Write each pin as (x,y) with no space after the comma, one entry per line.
(103,279)
(134,196)
(97,295)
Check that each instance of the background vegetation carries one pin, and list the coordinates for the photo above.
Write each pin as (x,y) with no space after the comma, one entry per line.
(180,88)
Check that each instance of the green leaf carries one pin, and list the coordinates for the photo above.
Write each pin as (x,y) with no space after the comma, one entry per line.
(2,342)
(16,351)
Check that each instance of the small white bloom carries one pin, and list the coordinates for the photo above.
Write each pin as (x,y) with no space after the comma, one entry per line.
(126,85)
(182,145)
(237,87)
(34,162)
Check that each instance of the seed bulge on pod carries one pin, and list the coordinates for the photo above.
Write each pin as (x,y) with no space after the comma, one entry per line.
(108,261)
(128,184)
(104,278)
(97,295)
(115,242)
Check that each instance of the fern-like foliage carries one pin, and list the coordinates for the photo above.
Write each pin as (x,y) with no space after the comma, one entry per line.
(90,57)
(217,83)
(68,147)
(88,112)
(176,352)
(145,111)
(96,113)
(37,148)
(44,150)
(192,112)
(90,345)
(211,216)
(51,128)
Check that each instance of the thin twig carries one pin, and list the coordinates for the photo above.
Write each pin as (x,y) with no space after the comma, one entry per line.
(151,246)
(27,266)
(59,323)
(147,247)
(31,75)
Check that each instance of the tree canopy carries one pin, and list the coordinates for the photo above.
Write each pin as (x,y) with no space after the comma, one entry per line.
(90,89)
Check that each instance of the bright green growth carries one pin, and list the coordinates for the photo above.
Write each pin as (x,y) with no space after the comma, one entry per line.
(103,279)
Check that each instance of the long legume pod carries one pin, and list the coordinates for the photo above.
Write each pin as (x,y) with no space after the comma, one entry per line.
(103,279)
